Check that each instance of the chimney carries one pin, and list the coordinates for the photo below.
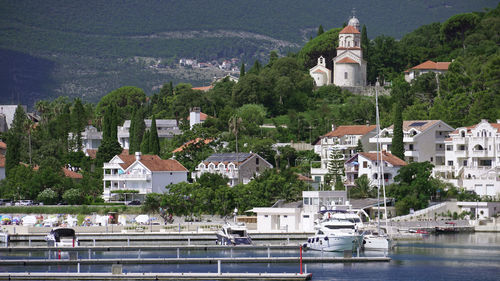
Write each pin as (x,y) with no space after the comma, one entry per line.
(498,121)
(367,122)
(138,156)
(194,116)
(333,127)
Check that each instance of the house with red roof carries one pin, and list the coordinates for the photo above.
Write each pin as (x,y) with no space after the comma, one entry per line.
(344,139)
(426,67)
(423,140)
(349,67)
(141,173)
(472,159)
(368,163)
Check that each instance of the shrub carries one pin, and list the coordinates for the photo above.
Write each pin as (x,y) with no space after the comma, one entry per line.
(48,197)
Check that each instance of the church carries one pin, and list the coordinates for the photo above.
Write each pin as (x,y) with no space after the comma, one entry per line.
(349,67)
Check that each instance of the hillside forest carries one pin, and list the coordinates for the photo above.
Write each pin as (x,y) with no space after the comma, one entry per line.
(280,93)
(86,49)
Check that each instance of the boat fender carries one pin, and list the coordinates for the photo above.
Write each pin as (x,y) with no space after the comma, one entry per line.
(326,238)
(317,239)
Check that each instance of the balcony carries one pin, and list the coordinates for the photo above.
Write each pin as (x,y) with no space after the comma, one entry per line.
(411,153)
(127,177)
(461,153)
(318,171)
(352,169)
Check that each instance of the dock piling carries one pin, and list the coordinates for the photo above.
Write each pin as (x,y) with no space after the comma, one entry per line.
(90,254)
(128,241)
(219,267)
(78,268)
(29,242)
(268,252)
(178,253)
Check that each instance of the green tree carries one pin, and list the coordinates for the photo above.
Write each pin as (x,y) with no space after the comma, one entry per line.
(125,99)
(359,146)
(335,170)
(320,30)
(73,196)
(362,188)
(154,141)
(145,149)
(242,69)
(15,140)
(397,148)
(456,27)
(48,197)
(78,121)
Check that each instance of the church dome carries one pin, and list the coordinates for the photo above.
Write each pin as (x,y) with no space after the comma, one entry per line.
(354,22)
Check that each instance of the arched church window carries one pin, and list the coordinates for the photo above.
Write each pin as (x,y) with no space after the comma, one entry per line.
(345,75)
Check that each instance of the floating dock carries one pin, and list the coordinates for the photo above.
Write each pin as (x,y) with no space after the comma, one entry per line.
(155,276)
(209,260)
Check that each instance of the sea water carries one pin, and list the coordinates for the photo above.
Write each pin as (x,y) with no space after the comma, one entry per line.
(466,256)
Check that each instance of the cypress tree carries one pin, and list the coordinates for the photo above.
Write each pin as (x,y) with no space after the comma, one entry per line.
(109,146)
(140,128)
(359,147)
(78,122)
(154,141)
(336,170)
(242,69)
(145,149)
(320,30)
(15,140)
(131,133)
(365,43)
(397,147)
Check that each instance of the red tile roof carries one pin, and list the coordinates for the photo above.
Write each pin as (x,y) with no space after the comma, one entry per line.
(347,60)
(3,145)
(394,160)
(195,141)
(2,161)
(71,174)
(203,116)
(153,163)
(92,153)
(301,177)
(204,89)
(351,130)
(433,65)
(349,30)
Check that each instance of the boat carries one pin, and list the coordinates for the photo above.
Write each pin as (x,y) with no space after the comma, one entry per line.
(373,240)
(376,240)
(4,237)
(335,234)
(451,229)
(62,237)
(233,234)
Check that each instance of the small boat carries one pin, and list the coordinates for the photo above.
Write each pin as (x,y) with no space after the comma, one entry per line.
(373,240)
(335,235)
(62,237)
(233,234)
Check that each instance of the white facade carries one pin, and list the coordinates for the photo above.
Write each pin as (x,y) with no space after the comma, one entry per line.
(299,216)
(349,67)
(91,138)
(145,174)
(345,139)
(367,163)
(480,210)
(237,167)
(473,159)
(167,128)
(423,140)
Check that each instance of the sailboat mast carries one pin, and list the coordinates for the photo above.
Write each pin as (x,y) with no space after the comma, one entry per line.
(378,150)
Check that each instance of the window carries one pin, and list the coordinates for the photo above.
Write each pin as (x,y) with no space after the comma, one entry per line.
(305,216)
(365,164)
(306,201)
(285,216)
(432,159)
(449,147)
(411,147)
(450,163)
(345,75)
(266,216)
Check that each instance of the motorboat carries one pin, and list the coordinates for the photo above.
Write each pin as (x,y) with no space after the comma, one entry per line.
(233,234)
(374,240)
(335,235)
(62,237)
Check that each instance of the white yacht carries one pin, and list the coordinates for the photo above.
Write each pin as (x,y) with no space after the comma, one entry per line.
(233,234)
(335,234)
(62,237)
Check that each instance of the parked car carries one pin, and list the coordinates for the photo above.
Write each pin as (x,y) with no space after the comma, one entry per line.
(5,202)
(134,202)
(25,202)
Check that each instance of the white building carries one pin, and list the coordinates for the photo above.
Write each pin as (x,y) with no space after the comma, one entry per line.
(299,216)
(166,128)
(423,140)
(345,139)
(349,67)
(91,138)
(367,163)
(473,159)
(143,173)
(426,67)
(7,113)
(196,117)
(237,167)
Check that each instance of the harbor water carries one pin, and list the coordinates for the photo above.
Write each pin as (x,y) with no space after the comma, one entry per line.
(462,256)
